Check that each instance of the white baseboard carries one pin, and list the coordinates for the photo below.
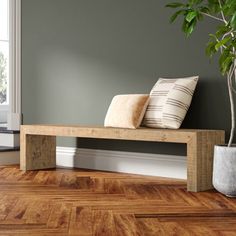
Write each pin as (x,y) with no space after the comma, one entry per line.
(128,162)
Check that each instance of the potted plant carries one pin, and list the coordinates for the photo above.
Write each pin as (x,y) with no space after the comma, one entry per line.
(222,42)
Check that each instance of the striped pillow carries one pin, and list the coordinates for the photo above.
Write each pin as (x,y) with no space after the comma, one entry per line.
(169,102)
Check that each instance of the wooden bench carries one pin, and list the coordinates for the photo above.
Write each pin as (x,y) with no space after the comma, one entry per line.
(38,146)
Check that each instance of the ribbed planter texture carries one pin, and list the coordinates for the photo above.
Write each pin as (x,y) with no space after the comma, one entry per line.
(224,170)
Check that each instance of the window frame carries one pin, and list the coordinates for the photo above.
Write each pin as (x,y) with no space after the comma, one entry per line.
(14,86)
(15,56)
(5,106)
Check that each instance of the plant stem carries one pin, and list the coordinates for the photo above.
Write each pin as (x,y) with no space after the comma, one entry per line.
(228,33)
(233,72)
(213,17)
(231,98)
(222,13)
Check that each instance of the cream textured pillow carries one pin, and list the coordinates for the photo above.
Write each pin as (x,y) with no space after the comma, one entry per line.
(126,111)
(169,102)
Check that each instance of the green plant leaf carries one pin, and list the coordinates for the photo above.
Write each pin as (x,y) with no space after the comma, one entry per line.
(191,27)
(190,16)
(233,21)
(222,43)
(185,26)
(226,64)
(188,27)
(213,6)
(226,60)
(204,9)
(229,3)
(222,29)
(229,8)
(225,54)
(213,36)
(176,14)
(195,10)
(210,49)
(200,16)
(196,2)
(175,5)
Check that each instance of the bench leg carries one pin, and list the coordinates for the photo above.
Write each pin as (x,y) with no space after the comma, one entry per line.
(200,151)
(37,152)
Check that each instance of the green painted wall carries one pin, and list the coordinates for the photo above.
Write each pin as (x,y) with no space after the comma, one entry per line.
(78,54)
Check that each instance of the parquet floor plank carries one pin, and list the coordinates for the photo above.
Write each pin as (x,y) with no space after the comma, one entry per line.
(88,203)
(127,225)
(103,223)
(60,216)
(18,210)
(81,222)
(37,212)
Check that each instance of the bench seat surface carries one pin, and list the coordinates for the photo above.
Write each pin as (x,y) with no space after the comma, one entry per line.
(38,146)
(140,134)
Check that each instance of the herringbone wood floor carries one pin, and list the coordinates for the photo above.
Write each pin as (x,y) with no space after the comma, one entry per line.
(83,202)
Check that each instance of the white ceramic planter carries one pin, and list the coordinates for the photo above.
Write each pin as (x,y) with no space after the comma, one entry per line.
(224,170)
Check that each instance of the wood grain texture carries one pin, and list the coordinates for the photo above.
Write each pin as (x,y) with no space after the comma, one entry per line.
(37,152)
(200,150)
(140,134)
(38,146)
(36,203)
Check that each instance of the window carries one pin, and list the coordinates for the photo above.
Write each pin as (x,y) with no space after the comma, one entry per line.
(4,61)
(4,52)
(10,22)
